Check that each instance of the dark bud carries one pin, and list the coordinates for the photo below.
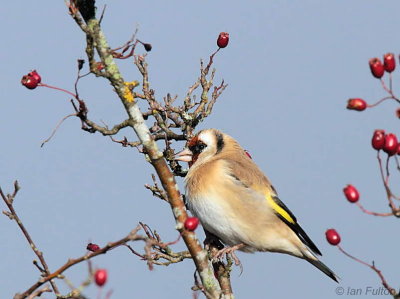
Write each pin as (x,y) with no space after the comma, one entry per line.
(87,8)
(147,47)
(81,62)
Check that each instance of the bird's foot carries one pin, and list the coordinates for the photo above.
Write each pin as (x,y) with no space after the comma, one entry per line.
(231,251)
(212,241)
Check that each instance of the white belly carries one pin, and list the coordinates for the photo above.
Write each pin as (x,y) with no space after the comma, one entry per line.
(215,216)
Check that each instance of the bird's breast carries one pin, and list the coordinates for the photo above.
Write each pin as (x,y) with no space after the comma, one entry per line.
(215,216)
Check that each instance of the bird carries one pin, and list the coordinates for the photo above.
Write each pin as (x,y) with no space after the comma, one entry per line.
(237,203)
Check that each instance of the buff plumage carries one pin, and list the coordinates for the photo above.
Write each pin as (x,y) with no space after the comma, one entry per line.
(237,203)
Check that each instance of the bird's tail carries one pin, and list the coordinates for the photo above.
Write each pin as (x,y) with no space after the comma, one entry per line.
(321,266)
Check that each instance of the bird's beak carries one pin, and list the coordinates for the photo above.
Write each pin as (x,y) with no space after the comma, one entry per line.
(184,156)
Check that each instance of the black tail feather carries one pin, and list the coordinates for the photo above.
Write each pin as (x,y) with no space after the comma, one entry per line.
(324,268)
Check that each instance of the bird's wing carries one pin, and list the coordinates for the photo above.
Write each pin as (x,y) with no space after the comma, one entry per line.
(250,176)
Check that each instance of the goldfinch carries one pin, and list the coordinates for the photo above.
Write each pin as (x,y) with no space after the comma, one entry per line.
(237,203)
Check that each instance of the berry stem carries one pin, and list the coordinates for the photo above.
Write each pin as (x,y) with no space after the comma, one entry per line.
(386,183)
(372,267)
(60,89)
(389,91)
(380,101)
(373,213)
(397,162)
(387,170)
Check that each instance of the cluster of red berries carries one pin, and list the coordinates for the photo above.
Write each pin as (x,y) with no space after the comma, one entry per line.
(31,80)
(378,69)
(380,141)
(386,142)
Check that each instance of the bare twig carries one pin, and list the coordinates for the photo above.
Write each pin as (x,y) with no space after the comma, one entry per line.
(385,180)
(56,128)
(125,143)
(132,236)
(39,292)
(389,91)
(373,213)
(156,190)
(9,199)
(385,284)
(102,13)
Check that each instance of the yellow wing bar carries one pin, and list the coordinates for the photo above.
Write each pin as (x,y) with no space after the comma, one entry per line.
(280,208)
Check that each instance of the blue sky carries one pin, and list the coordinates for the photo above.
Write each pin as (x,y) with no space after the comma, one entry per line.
(290,66)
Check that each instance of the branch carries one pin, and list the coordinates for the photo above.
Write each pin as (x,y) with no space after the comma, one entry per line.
(132,236)
(12,214)
(38,293)
(385,284)
(93,31)
(385,181)
(373,213)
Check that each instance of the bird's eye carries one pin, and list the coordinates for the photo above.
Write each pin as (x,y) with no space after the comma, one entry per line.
(198,148)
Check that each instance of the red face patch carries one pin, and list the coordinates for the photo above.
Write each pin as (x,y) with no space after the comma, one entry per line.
(192,143)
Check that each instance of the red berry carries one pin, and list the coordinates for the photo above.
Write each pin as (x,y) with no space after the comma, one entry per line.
(391,144)
(378,139)
(100,277)
(356,104)
(398,149)
(191,223)
(29,82)
(248,154)
(376,67)
(332,236)
(34,74)
(351,193)
(223,39)
(389,62)
(92,247)
(398,112)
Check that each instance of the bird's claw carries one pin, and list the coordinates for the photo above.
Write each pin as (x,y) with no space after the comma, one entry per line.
(231,251)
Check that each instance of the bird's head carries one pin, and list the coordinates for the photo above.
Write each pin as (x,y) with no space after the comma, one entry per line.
(203,146)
